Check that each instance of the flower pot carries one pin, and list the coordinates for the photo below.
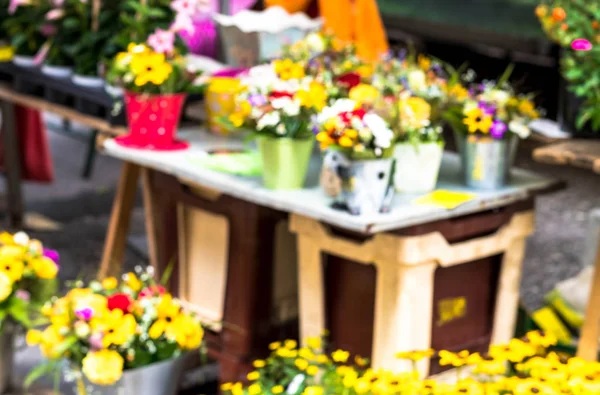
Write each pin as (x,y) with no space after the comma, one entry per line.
(7,349)
(219,102)
(57,71)
(417,166)
(486,161)
(87,81)
(285,161)
(160,378)
(365,185)
(24,61)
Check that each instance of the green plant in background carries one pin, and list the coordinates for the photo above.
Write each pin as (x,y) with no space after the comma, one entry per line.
(575,25)
(3,17)
(25,25)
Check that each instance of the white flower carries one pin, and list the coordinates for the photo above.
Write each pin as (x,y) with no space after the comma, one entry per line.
(470,105)
(21,239)
(268,120)
(417,81)
(498,96)
(340,106)
(292,108)
(280,129)
(518,127)
(382,133)
(315,43)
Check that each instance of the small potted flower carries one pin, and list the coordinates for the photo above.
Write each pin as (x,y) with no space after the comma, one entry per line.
(419,146)
(358,145)
(156,80)
(487,128)
(129,335)
(277,106)
(25,25)
(27,281)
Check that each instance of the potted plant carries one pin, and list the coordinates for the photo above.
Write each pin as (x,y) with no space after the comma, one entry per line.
(156,80)
(59,62)
(27,281)
(6,51)
(419,146)
(129,335)
(26,28)
(487,128)
(277,106)
(358,145)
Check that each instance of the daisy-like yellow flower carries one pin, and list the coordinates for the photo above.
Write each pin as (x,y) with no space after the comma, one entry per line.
(104,367)
(259,363)
(12,267)
(116,327)
(51,337)
(110,283)
(542,339)
(167,313)
(478,121)
(364,94)
(44,267)
(415,112)
(454,359)
(533,387)
(132,282)
(458,92)
(315,97)
(340,356)
(288,70)
(253,376)
(150,68)
(490,366)
(415,355)
(278,389)
(424,62)
(527,108)
(6,286)
(188,332)
(315,342)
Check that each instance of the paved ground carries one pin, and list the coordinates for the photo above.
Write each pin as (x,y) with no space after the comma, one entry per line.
(83,208)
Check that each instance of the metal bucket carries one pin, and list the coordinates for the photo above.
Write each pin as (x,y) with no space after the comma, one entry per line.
(161,378)
(486,162)
(365,184)
(7,351)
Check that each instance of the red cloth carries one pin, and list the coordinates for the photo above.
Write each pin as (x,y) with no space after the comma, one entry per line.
(36,159)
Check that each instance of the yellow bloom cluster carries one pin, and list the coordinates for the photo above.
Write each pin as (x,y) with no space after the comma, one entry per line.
(144,65)
(522,367)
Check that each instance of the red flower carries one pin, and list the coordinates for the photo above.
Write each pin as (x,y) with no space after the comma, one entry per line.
(347,116)
(119,301)
(280,95)
(349,80)
(153,290)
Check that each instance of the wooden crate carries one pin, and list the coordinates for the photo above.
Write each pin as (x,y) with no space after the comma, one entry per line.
(451,284)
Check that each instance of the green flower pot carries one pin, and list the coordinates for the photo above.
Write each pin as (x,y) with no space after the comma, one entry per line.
(285,161)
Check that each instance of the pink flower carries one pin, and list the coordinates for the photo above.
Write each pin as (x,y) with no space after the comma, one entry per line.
(55,14)
(182,22)
(581,44)
(58,3)
(188,7)
(14,4)
(162,41)
(23,295)
(41,55)
(96,341)
(48,30)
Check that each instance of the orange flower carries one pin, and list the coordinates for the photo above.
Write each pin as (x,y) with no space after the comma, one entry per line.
(541,11)
(559,14)
(564,27)
(595,25)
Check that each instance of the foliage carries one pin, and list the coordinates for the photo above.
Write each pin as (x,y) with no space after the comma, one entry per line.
(521,367)
(565,22)
(113,325)
(27,278)
(3,16)
(143,70)
(25,25)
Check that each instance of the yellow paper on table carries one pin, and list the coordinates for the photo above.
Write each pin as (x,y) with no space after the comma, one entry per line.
(549,322)
(446,199)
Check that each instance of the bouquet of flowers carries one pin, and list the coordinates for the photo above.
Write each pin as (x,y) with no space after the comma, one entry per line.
(521,367)
(112,326)
(575,25)
(413,121)
(27,278)
(349,127)
(25,25)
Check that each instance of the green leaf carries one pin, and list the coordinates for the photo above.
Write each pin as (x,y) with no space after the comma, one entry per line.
(164,279)
(19,311)
(63,347)
(157,13)
(39,371)
(506,75)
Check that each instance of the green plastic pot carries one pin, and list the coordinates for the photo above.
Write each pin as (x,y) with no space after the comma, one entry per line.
(285,161)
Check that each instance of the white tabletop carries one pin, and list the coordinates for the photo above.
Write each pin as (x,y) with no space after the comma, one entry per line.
(311,201)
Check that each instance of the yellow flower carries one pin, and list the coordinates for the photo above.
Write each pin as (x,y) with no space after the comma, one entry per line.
(253,376)
(415,355)
(259,363)
(44,267)
(278,389)
(414,112)
(424,62)
(340,356)
(468,387)
(453,359)
(542,339)
(287,69)
(531,387)
(312,370)
(527,108)
(478,121)
(315,97)
(134,49)
(51,338)
(301,363)
(6,286)
(80,298)
(150,68)
(364,94)
(254,389)
(458,92)
(365,71)
(490,366)
(104,367)
(110,283)
(132,282)
(290,344)
(188,332)
(314,342)
(274,346)
(33,337)
(13,251)
(167,312)
(117,327)
(360,361)
(313,390)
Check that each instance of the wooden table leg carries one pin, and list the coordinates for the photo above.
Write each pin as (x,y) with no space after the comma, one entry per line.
(116,236)
(152,218)
(588,343)
(12,163)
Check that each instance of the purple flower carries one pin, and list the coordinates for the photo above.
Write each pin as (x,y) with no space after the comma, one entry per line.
(498,129)
(85,313)
(489,109)
(23,295)
(52,254)
(315,130)
(257,100)
(229,72)
(581,44)
(402,54)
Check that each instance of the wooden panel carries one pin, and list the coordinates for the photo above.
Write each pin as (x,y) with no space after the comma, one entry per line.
(204,255)
(285,274)
(350,304)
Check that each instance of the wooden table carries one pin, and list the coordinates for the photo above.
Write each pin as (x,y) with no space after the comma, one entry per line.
(237,257)
(584,154)
(8,99)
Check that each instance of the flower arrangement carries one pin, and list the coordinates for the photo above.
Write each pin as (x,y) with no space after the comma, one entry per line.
(575,25)
(113,326)
(413,121)
(25,25)
(347,126)
(522,367)
(27,278)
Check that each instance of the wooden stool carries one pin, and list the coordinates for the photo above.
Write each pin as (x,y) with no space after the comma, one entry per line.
(404,290)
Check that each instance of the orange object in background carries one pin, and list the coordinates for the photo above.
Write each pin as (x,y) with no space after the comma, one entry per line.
(357,21)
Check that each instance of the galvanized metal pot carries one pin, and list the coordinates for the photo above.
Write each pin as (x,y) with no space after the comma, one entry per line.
(486,162)
(365,184)
(417,166)
(7,351)
(160,378)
